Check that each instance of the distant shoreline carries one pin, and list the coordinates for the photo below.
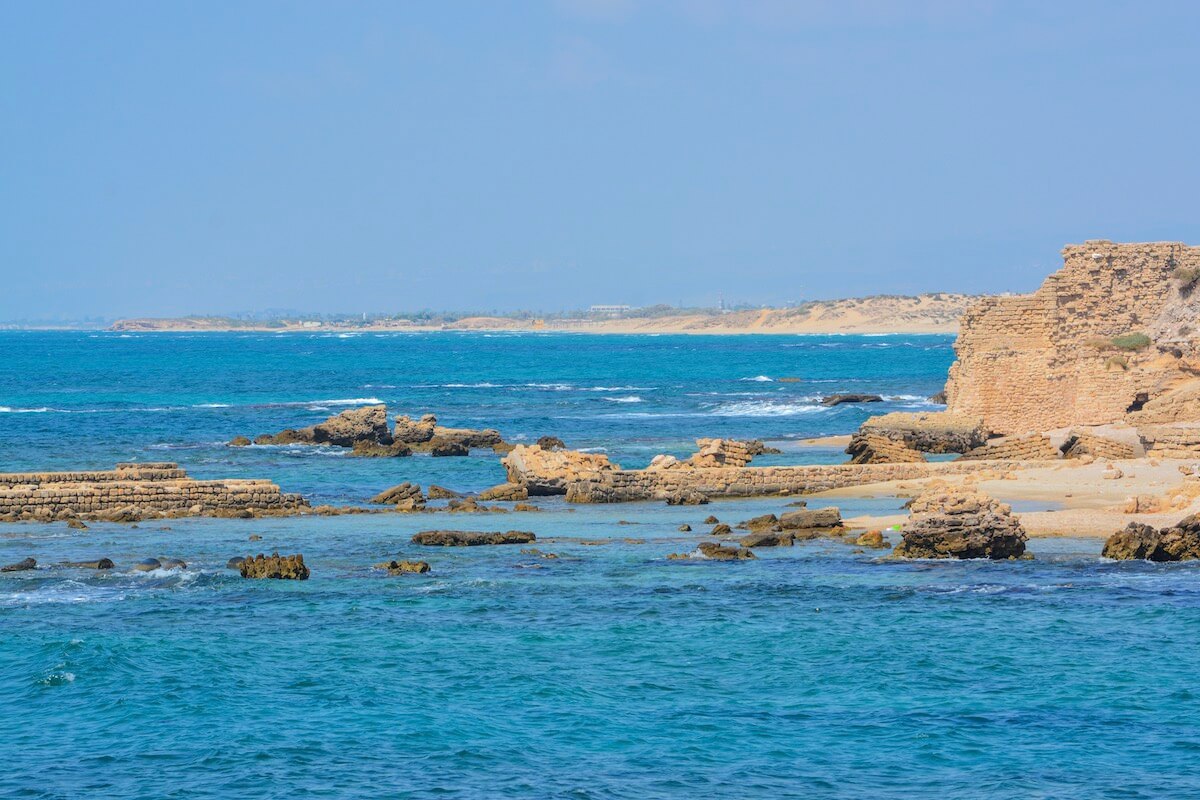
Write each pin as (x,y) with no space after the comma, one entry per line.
(881,315)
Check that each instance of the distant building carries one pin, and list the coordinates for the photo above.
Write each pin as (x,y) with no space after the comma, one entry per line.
(611,311)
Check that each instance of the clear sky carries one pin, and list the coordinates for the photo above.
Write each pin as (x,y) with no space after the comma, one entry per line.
(178,157)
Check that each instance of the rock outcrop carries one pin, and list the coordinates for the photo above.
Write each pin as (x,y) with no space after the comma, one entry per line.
(20,566)
(1107,337)
(840,399)
(902,436)
(366,424)
(365,430)
(1181,542)
(548,472)
(395,567)
(131,492)
(275,567)
(405,494)
(960,523)
(471,538)
(504,492)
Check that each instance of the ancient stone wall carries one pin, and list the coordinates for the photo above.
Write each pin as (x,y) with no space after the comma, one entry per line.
(1047,360)
(617,486)
(1024,447)
(136,490)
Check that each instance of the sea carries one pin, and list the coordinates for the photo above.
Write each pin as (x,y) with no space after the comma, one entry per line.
(818,671)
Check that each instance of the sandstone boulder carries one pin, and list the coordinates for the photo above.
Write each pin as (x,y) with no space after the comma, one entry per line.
(505,492)
(871,539)
(447,447)
(409,432)
(274,567)
(377,450)
(960,523)
(547,472)
(239,441)
(400,493)
(811,518)
(769,538)
(471,538)
(442,493)
(717,552)
(366,424)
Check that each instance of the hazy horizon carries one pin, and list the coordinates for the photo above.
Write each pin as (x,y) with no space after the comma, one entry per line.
(188,158)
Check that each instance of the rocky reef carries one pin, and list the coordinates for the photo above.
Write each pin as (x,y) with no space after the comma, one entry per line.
(365,431)
(471,538)
(955,522)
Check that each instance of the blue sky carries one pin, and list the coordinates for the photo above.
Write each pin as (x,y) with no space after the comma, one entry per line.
(180,157)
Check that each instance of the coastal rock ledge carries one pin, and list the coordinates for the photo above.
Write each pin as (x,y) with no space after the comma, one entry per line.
(1180,542)
(951,522)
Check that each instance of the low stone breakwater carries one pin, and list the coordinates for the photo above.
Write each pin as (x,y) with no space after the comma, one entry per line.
(130,492)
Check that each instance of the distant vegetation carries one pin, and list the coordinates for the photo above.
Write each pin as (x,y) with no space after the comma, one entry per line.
(1126,341)
(1186,277)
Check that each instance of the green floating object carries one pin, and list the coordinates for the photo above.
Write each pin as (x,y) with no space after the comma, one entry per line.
(896,527)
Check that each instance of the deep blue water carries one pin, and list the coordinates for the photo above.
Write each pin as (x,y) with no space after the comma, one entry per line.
(610,672)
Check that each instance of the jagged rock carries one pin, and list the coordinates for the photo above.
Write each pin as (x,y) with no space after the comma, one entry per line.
(410,432)
(685,528)
(1180,542)
(447,447)
(505,491)
(20,566)
(938,397)
(711,519)
(547,472)
(400,493)
(377,450)
(809,518)
(76,524)
(239,441)
(960,523)
(442,493)
(404,567)
(533,551)
(687,497)
(471,538)
(756,447)
(761,522)
(872,539)
(275,567)
(104,563)
(366,424)
(717,552)
(551,443)
(721,529)
(839,399)
(769,538)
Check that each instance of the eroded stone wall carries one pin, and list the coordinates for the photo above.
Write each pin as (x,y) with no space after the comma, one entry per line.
(1038,362)
(135,490)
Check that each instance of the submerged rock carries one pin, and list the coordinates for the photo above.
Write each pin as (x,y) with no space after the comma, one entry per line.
(442,493)
(274,567)
(839,399)
(769,538)
(718,552)
(687,497)
(448,447)
(147,565)
(76,524)
(960,523)
(103,563)
(1181,542)
(377,450)
(404,567)
(471,538)
(20,566)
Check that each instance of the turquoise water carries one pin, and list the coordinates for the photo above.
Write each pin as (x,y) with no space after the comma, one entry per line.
(610,672)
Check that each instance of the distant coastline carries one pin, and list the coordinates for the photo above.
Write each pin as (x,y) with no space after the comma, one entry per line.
(884,314)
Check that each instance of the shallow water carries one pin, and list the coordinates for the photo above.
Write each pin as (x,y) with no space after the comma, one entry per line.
(611,672)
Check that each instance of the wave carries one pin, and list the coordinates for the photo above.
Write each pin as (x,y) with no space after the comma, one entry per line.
(211,405)
(630,399)
(759,378)
(765,408)
(11,410)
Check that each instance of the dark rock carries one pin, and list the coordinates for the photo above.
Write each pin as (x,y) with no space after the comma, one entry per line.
(147,565)
(104,563)
(20,566)
(442,493)
(721,529)
(448,447)
(717,552)
(711,520)
(366,424)
(687,497)
(254,537)
(76,524)
(938,397)
(769,539)
(239,441)
(172,563)
(755,447)
(1180,542)
(404,567)
(762,522)
(235,562)
(839,399)
(274,567)
(685,528)
(806,518)
(551,443)
(471,538)
(377,450)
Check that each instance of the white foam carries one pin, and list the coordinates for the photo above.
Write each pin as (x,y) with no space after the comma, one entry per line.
(759,378)
(765,408)
(630,399)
